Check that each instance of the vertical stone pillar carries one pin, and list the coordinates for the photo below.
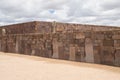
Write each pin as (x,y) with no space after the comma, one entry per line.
(17,46)
(89,50)
(72,53)
(3,31)
(55,49)
(33,52)
(0,45)
(117,57)
(83,54)
(54,26)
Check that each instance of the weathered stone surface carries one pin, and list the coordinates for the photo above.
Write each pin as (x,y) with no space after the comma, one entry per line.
(108,42)
(99,36)
(117,43)
(72,53)
(86,43)
(116,36)
(80,36)
(117,57)
(107,56)
(97,56)
(89,50)
(80,54)
(55,49)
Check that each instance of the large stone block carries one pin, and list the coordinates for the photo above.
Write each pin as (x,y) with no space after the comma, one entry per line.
(117,57)
(89,50)
(97,42)
(55,49)
(108,42)
(107,55)
(116,37)
(72,53)
(80,35)
(88,34)
(99,36)
(80,54)
(80,42)
(116,43)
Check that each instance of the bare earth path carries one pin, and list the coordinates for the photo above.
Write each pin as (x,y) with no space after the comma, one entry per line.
(23,67)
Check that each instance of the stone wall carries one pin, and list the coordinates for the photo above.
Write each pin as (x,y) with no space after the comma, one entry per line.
(88,45)
(50,27)
(19,28)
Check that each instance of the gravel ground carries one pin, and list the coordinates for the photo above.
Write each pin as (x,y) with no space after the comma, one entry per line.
(23,67)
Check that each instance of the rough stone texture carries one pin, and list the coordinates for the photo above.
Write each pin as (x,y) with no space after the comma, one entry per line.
(72,53)
(85,43)
(55,49)
(89,50)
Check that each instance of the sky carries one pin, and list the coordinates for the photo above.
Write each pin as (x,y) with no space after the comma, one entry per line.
(98,12)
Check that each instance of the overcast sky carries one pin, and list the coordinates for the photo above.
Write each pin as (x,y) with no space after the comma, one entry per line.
(101,12)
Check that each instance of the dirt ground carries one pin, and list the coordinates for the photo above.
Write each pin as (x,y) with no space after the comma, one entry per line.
(24,67)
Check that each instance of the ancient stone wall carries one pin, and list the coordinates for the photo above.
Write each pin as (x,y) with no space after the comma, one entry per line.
(50,27)
(61,42)
(19,28)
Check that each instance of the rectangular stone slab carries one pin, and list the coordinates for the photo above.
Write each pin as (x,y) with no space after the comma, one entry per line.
(116,37)
(55,49)
(89,50)
(72,53)
(117,57)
